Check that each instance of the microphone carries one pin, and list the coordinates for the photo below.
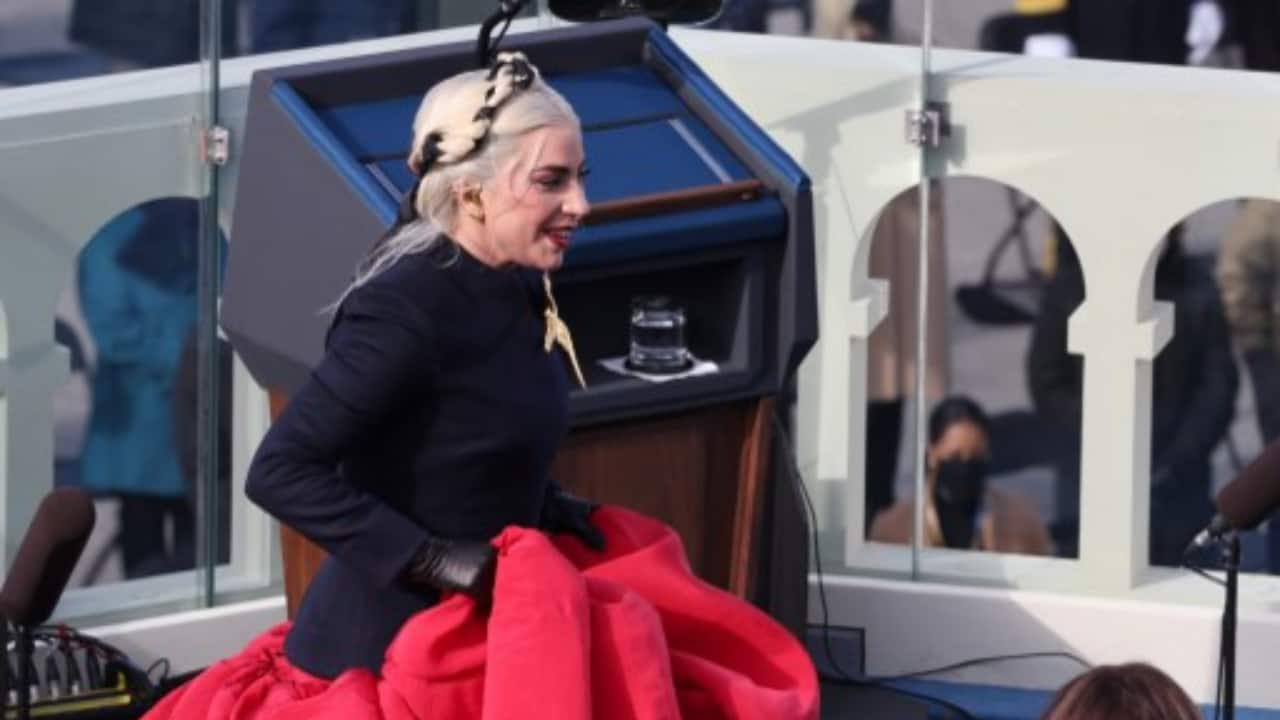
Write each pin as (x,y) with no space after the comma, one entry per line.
(48,553)
(1246,501)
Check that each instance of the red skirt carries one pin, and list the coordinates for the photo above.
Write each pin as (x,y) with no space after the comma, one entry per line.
(573,634)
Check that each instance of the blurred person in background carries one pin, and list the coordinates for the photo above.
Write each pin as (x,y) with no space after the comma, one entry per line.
(1255,26)
(147,33)
(963,511)
(288,24)
(1174,32)
(864,20)
(186,388)
(1248,275)
(742,16)
(137,285)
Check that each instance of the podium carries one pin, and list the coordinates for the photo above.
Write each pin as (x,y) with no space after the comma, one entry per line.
(690,199)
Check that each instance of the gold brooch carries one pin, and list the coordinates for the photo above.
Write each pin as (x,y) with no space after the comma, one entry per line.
(558,332)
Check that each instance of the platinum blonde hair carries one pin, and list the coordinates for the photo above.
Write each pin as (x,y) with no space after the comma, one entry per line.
(467,126)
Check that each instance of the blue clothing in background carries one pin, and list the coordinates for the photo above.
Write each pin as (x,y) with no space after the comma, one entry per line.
(137,285)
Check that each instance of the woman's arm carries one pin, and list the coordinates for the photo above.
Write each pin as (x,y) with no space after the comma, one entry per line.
(379,355)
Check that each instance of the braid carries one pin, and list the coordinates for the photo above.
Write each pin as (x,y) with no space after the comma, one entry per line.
(510,72)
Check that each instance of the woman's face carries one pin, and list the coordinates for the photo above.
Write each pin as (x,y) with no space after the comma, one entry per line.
(534,203)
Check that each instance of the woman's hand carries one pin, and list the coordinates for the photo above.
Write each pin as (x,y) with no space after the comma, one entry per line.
(462,566)
(566,513)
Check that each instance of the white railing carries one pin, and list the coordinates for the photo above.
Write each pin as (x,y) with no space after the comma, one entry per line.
(1117,154)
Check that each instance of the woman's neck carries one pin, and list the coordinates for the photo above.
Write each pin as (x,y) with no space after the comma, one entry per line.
(472,240)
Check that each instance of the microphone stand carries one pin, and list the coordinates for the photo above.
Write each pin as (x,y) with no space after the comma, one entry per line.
(1230,612)
(25,649)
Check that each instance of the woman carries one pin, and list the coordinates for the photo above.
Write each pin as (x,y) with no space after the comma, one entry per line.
(431,422)
(1135,691)
(962,510)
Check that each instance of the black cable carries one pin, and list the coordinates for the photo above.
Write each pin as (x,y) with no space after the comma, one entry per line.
(844,677)
(1203,574)
(486,48)
(497,42)
(163,675)
(1058,654)
(1198,570)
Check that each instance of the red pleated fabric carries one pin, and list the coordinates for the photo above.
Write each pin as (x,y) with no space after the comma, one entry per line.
(627,634)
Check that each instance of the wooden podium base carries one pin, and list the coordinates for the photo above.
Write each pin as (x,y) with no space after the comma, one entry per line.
(702,472)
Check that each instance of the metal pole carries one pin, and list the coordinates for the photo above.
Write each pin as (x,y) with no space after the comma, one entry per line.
(1229,616)
(922,306)
(208,271)
(25,680)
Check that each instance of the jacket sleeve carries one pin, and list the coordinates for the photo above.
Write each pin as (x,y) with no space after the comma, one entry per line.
(379,353)
(1247,274)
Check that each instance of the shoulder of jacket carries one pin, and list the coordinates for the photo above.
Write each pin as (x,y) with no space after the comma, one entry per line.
(404,294)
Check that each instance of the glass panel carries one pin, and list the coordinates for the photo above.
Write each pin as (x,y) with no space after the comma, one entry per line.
(926,136)
(200,359)
(98,294)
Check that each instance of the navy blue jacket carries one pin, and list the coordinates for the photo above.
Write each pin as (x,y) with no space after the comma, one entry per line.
(435,410)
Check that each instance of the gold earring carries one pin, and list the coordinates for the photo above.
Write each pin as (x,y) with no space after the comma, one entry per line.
(476,209)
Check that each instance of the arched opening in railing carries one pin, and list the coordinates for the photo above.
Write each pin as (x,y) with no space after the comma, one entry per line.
(1002,391)
(1216,384)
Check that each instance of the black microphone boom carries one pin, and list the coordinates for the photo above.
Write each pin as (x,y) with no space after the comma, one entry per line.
(48,553)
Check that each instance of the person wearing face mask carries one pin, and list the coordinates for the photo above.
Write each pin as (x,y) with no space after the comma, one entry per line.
(963,510)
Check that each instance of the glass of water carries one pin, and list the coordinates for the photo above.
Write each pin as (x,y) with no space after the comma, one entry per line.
(657,335)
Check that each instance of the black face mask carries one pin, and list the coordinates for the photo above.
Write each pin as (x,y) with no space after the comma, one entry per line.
(957,495)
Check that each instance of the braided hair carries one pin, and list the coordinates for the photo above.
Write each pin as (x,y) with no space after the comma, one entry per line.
(466,125)
(510,73)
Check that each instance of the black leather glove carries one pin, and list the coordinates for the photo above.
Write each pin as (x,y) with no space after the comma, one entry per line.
(567,513)
(466,567)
